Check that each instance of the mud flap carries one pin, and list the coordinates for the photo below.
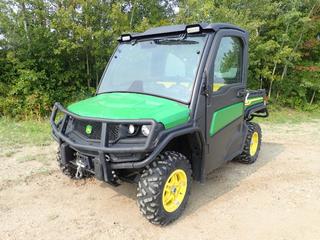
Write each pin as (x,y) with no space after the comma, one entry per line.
(107,173)
(98,170)
(67,154)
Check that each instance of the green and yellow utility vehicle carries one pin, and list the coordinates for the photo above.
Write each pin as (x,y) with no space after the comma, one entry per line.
(172,106)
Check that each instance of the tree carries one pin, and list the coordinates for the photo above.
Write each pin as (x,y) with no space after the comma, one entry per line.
(56,50)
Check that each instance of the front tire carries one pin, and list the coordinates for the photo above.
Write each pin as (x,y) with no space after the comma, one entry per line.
(164,188)
(252,144)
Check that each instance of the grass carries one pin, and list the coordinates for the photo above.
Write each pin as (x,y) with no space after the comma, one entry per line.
(37,133)
(42,158)
(18,133)
(287,116)
(9,153)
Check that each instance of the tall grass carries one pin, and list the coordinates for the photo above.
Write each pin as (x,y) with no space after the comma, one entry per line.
(18,133)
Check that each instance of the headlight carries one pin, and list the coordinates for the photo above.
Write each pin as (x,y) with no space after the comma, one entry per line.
(131,129)
(145,130)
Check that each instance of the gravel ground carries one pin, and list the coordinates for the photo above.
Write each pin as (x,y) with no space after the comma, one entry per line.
(275,198)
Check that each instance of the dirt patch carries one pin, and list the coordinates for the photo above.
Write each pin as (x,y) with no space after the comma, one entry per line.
(275,198)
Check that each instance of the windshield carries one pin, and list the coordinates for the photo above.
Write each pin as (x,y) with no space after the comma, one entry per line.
(163,67)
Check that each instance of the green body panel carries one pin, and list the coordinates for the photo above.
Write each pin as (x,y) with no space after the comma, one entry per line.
(224,116)
(252,101)
(133,106)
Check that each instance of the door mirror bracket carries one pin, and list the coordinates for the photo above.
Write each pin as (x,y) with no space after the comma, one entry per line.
(205,85)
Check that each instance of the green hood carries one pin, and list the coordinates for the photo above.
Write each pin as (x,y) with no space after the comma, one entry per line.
(132,106)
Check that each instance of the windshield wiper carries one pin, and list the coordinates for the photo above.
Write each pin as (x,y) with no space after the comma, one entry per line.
(162,40)
(145,93)
(168,41)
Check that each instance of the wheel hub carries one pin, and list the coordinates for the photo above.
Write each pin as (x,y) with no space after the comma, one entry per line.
(254,143)
(174,190)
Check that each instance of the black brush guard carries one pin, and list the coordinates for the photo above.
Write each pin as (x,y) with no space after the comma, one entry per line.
(104,149)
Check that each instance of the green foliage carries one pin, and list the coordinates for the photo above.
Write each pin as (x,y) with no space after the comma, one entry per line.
(56,50)
(278,30)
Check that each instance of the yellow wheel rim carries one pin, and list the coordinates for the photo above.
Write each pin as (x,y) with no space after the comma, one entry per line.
(174,190)
(254,143)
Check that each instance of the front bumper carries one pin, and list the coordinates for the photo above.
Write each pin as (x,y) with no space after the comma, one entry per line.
(102,150)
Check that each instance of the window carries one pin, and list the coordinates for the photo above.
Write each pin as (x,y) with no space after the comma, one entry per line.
(227,65)
(174,66)
(164,67)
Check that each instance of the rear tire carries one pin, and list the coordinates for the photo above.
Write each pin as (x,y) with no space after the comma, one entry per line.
(164,188)
(252,144)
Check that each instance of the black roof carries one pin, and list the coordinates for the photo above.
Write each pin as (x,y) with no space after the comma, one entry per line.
(172,29)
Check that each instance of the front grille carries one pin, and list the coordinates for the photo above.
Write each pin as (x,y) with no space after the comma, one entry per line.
(83,126)
(80,126)
(113,130)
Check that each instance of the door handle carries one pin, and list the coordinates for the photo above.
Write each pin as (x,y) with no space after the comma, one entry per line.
(241,93)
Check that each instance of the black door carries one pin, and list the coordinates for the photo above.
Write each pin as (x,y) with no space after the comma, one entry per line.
(227,69)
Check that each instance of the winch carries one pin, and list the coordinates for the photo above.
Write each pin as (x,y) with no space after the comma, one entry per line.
(83,163)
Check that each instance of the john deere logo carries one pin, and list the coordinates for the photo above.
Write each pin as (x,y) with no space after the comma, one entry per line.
(88,129)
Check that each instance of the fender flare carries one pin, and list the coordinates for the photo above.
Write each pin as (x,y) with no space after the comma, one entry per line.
(164,140)
(257,110)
